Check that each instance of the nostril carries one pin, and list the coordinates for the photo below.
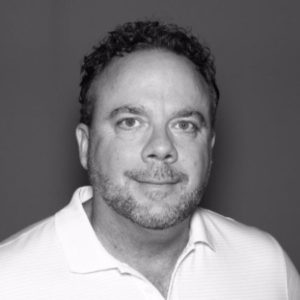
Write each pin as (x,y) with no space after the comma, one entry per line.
(160,157)
(168,156)
(159,147)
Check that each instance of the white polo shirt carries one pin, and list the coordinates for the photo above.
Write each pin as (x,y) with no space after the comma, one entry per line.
(61,258)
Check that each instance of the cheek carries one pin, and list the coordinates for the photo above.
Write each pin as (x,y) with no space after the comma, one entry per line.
(196,161)
(114,155)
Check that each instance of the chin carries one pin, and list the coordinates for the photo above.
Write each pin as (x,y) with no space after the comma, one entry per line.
(158,218)
(161,211)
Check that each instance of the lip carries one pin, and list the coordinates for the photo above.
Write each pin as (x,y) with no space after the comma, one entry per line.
(154,182)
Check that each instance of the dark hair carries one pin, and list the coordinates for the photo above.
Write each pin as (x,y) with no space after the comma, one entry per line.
(138,35)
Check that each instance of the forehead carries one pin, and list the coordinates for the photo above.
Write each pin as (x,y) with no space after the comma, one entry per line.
(155,78)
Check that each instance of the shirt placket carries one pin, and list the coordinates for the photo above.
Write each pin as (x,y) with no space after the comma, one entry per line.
(147,289)
(187,251)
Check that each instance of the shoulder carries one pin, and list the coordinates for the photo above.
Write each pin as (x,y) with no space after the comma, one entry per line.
(242,242)
(29,260)
(28,235)
(28,247)
(248,250)
(232,230)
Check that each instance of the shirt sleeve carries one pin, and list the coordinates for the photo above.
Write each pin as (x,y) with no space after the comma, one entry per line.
(293,279)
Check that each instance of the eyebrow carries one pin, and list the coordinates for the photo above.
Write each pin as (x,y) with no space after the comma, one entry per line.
(136,110)
(185,113)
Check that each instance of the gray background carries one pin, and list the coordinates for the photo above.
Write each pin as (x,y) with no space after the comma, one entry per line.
(256,163)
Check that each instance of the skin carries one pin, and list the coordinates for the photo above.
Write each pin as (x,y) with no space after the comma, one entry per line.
(148,153)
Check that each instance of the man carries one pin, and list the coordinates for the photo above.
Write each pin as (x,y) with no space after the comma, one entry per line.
(148,103)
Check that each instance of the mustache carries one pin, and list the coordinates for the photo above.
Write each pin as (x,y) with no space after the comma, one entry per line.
(157,173)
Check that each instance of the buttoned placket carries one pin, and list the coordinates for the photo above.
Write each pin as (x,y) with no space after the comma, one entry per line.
(146,287)
(190,247)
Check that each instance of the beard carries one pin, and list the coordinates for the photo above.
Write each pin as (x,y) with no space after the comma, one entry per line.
(122,200)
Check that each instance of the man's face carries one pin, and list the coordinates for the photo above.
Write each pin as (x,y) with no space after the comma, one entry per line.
(150,142)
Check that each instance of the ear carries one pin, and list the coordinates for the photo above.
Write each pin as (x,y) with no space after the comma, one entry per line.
(82,137)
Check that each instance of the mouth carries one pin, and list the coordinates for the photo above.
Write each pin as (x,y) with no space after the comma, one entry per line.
(157,189)
(157,178)
(155,182)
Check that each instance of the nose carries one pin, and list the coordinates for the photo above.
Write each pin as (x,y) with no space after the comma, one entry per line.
(160,147)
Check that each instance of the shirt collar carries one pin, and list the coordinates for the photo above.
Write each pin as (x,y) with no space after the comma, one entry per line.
(83,250)
(80,244)
(199,233)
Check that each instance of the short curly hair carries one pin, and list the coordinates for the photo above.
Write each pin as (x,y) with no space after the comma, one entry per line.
(133,36)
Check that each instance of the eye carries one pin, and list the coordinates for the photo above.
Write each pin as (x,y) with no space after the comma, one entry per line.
(186,126)
(128,123)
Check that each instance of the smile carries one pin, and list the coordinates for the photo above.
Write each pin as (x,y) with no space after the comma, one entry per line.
(157,178)
(155,182)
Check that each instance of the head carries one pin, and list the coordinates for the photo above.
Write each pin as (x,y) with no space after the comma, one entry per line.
(146,133)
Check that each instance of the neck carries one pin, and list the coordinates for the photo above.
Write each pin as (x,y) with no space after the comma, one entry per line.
(123,238)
